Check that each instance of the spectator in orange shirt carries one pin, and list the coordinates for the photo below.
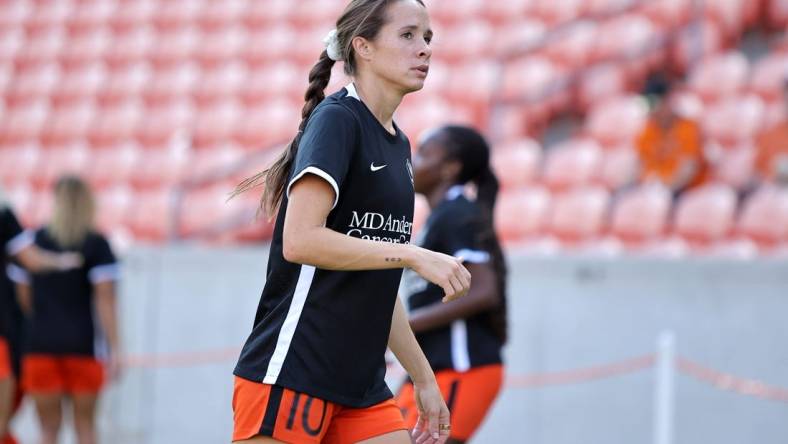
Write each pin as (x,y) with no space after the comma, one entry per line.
(772,160)
(670,146)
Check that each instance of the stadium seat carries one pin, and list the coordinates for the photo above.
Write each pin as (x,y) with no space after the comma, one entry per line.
(272,81)
(159,169)
(25,160)
(89,16)
(668,13)
(721,76)
(23,124)
(205,164)
(517,36)
(619,167)
(219,14)
(221,46)
(78,85)
(130,48)
(572,163)
(14,14)
(599,83)
(151,219)
(640,215)
(734,120)
(777,13)
(579,215)
(11,42)
(171,83)
(131,15)
(222,82)
(174,47)
(617,121)
(67,126)
(56,163)
(33,84)
(160,125)
(764,217)
(171,16)
(686,48)
(114,167)
(554,12)
(309,13)
(113,207)
(214,125)
(114,126)
(735,167)
(263,126)
(47,16)
(730,14)
(40,49)
(204,211)
(687,104)
(124,85)
(522,213)
(596,8)
(261,16)
(506,12)
(456,11)
(469,39)
(705,215)
(626,36)
(517,163)
(768,76)
(572,46)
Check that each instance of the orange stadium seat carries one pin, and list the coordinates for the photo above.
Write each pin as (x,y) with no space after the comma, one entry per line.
(469,39)
(78,85)
(47,16)
(23,161)
(84,49)
(317,12)
(730,14)
(222,82)
(626,37)
(262,15)
(572,163)
(580,214)
(266,125)
(171,83)
(554,12)
(522,213)
(456,10)
(130,47)
(131,15)
(174,46)
(640,215)
(113,167)
(159,169)
(218,14)
(619,167)
(114,206)
(720,76)
(768,76)
(14,14)
(221,46)
(273,81)
(269,46)
(734,120)
(777,13)
(11,42)
(764,216)
(668,13)
(42,48)
(214,125)
(124,85)
(604,7)
(705,215)
(517,163)
(114,126)
(511,11)
(519,35)
(33,84)
(88,16)
(204,210)
(617,120)
(159,125)
(207,163)
(151,218)
(23,124)
(687,48)
(67,125)
(176,15)
(55,163)
(599,83)
(572,47)
(735,167)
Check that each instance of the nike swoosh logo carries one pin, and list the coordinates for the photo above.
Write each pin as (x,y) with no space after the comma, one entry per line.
(376,168)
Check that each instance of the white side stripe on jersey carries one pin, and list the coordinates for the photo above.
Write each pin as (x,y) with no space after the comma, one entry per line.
(289,326)
(104,273)
(20,242)
(460,358)
(320,173)
(473,256)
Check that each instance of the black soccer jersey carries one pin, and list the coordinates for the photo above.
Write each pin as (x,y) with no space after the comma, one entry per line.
(453,228)
(62,322)
(12,240)
(322,332)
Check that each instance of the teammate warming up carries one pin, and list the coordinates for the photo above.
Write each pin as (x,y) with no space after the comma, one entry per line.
(313,367)
(462,339)
(17,244)
(64,340)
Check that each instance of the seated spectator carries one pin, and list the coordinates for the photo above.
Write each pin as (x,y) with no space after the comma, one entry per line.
(772,160)
(670,146)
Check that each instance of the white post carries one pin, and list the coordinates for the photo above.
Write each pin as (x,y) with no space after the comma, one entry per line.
(664,388)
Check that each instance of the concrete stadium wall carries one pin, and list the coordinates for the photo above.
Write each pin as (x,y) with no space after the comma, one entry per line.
(178,303)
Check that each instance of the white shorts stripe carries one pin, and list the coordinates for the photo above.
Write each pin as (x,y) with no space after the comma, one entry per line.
(287,331)
(459,346)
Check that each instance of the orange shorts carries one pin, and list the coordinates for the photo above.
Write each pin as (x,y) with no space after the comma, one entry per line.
(5,359)
(285,415)
(469,396)
(61,374)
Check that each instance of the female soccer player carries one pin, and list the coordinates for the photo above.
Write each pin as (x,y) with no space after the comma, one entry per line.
(17,244)
(462,339)
(61,354)
(313,367)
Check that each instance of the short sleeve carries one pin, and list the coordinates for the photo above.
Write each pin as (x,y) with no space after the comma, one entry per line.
(460,236)
(326,147)
(17,274)
(13,237)
(101,262)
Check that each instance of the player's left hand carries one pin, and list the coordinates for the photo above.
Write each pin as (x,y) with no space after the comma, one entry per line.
(434,424)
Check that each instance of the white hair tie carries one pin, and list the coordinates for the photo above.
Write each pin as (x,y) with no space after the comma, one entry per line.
(332,46)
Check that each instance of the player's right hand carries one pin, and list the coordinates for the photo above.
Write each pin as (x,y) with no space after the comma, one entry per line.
(445,271)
